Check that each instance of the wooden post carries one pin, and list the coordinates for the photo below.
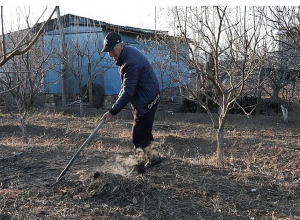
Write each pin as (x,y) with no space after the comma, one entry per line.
(90,86)
(64,62)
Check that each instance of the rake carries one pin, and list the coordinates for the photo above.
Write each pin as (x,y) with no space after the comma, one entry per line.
(79,150)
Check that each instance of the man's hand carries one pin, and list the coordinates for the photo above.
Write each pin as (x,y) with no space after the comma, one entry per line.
(106,117)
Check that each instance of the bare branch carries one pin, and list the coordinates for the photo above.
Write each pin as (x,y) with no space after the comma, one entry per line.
(16,51)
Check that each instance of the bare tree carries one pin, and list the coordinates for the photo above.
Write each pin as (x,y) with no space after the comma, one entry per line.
(22,76)
(22,46)
(283,64)
(214,56)
(86,59)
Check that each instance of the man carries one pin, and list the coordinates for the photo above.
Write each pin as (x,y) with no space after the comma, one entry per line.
(139,86)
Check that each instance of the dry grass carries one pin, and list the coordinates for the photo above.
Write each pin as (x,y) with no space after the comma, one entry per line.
(261,178)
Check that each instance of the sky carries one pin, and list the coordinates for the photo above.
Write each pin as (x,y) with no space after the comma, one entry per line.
(134,13)
(126,13)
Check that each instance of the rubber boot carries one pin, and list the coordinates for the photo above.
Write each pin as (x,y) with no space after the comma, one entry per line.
(153,155)
(140,159)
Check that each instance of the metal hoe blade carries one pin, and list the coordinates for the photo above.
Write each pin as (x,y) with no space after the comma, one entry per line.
(79,150)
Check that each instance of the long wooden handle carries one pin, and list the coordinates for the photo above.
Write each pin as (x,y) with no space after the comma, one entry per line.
(79,150)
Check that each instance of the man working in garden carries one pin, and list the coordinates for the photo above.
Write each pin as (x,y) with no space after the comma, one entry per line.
(139,86)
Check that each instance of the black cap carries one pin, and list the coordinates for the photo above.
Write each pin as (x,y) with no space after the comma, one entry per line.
(110,40)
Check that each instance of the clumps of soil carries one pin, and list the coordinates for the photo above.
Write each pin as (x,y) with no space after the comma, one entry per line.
(106,191)
(117,187)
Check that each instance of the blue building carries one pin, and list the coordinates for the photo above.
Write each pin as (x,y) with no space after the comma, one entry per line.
(84,41)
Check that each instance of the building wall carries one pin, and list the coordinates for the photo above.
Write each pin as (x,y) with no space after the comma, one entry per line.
(107,78)
(110,80)
(79,35)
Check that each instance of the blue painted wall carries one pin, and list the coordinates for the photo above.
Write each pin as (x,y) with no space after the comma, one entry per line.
(53,40)
(110,80)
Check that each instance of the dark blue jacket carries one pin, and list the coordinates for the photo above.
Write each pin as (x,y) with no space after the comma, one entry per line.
(139,84)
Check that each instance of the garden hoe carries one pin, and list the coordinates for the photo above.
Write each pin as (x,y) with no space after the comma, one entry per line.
(79,150)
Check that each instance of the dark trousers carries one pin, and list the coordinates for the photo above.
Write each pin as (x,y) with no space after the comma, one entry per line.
(142,127)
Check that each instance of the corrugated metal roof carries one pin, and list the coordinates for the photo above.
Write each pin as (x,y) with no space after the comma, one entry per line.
(70,19)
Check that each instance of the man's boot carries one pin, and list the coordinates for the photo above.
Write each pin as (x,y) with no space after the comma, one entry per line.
(153,155)
(140,159)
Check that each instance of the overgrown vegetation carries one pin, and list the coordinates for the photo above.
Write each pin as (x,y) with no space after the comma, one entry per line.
(219,54)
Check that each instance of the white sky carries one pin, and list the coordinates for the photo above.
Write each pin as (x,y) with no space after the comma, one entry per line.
(127,13)
(134,13)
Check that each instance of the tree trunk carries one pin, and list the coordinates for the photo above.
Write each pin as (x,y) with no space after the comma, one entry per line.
(81,111)
(220,147)
(23,128)
(259,92)
(90,85)
(275,95)
(81,98)
(220,133)
(64,62)
(285,113)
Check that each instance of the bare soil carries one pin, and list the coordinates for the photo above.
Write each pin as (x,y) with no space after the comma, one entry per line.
(261,178)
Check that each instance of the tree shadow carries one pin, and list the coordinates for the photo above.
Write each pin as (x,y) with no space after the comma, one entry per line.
(178,189)
(188,147)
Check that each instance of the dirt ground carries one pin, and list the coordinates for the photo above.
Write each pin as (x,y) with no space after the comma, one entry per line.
(261,178)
